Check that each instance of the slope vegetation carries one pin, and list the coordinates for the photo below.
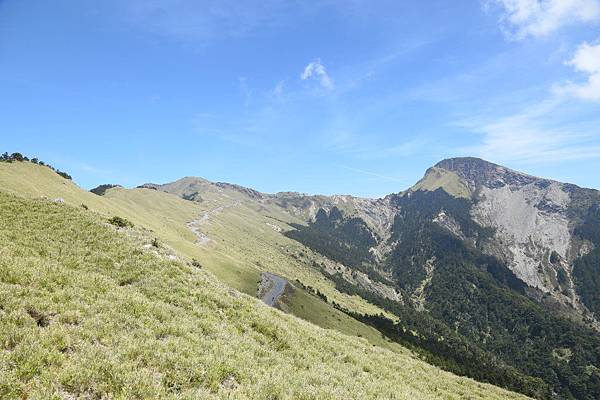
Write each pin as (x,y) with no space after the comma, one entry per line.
(87,311)
(243,242)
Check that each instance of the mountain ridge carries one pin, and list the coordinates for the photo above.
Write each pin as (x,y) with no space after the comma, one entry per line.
(452,164)
(543,226)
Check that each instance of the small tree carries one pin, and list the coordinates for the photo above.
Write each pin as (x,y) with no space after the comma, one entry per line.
(64,174)
(17,157)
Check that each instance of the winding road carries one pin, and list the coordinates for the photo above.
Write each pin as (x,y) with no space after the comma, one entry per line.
(278,287)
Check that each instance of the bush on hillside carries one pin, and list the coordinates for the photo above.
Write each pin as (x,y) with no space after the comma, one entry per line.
(120,222)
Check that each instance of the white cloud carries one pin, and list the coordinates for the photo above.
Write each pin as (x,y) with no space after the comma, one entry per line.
(522,18)
(531,136)
(587,61)
(316,70)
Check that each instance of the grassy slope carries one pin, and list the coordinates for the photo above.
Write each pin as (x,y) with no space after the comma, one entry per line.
(242,246)
(86,311)
(441,178)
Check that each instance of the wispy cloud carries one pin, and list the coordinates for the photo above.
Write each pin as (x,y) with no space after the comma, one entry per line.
(366,147)
(532,136)
(523,18)
(278,91)
(371,173)
(587,61)
(317,71)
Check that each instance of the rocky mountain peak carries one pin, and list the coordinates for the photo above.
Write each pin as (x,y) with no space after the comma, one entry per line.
(476,172)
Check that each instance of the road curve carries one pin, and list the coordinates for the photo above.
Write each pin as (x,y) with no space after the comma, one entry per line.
(277,288)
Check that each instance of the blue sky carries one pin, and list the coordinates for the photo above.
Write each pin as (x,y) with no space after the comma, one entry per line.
(351,96)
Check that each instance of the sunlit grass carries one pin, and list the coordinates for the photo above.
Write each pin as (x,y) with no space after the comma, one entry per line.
(242,243)
(87,311)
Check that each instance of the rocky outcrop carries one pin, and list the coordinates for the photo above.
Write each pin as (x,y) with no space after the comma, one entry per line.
(475,172)
(532,220)
(525,234)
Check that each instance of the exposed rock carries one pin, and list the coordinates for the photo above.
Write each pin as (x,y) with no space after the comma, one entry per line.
(476,172)
(363,281)
(229,383)
(449,223)
(524,232)
(253,194)
(418,296)
(273,226)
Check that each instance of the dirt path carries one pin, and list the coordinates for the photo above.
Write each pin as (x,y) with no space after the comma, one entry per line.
(203,219)
(276,285)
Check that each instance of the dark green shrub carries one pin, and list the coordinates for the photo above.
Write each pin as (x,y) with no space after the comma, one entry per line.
(120,222)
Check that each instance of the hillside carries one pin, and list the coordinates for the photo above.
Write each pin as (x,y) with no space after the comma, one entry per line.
(478,269)
(88,310)
(508,239)
(243,243)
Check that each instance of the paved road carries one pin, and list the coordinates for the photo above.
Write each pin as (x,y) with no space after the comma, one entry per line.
(270,298)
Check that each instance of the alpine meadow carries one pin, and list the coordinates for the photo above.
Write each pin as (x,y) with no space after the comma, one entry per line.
(283,200)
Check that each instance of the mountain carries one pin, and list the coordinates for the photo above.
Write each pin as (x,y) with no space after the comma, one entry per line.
(505,259)
(477,269)
(536,223)
(496,259)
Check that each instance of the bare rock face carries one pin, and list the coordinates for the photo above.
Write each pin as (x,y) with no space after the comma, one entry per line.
(525,233)
(529,218)
(449,223)
(363,281)
(476,172)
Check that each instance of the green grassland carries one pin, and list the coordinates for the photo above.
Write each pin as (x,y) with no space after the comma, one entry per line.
(88,311)
(436,178)
(242,244)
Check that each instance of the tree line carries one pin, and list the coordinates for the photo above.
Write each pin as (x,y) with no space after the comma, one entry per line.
(18,157)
